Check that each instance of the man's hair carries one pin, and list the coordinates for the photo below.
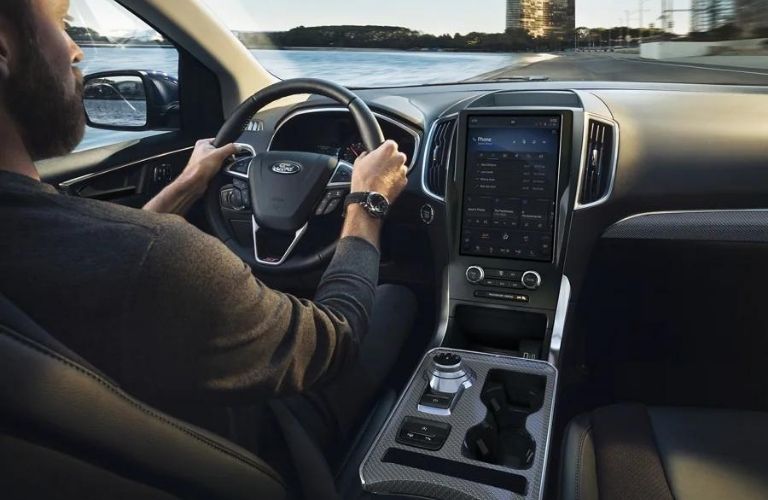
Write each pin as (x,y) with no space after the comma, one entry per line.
(15,10)
(19,13)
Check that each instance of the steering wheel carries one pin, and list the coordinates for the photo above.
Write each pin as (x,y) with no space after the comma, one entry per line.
(272,196)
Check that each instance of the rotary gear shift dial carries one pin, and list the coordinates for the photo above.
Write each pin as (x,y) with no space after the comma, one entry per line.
(448,375)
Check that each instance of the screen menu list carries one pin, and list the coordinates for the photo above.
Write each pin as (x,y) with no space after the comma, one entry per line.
(510,186)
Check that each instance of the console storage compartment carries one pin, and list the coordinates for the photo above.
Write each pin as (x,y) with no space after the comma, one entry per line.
(491,445)
(501,438)
(519,333)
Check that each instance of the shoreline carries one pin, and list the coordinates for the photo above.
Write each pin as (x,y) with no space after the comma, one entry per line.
(524,62)
(310,49)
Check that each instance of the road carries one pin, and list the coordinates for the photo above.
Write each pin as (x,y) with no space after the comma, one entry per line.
(623,67)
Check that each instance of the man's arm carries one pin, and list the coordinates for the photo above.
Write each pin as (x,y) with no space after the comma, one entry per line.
(202,326)
(187,188)
(382,171)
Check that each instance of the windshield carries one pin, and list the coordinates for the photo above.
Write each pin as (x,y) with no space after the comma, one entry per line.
(369,43)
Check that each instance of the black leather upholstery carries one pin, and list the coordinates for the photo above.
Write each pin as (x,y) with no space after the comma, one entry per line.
(68,432)
(578,470)
(706,454)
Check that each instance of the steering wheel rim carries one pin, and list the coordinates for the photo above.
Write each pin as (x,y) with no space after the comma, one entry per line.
(370,133)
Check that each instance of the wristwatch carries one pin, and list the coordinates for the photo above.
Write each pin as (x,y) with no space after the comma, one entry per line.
(376,204)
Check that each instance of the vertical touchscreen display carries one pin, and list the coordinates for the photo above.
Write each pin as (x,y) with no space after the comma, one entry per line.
(510,186)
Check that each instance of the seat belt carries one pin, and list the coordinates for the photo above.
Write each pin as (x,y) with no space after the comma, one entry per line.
(314,472)
(628,463)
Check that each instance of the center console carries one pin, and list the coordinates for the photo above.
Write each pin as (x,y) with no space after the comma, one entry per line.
(469,425)
(474,421)
(508,205)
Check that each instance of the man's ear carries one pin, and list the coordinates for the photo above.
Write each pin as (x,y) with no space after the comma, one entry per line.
(5,50)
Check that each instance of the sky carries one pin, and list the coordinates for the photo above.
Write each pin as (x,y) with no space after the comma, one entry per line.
(429,16)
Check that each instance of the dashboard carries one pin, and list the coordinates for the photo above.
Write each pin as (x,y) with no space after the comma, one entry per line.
(513,185)
(332,131)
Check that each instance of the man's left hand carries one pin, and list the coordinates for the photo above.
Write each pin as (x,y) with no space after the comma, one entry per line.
(203,165)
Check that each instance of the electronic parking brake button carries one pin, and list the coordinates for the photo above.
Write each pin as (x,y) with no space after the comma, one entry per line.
(424,434)
(436,400)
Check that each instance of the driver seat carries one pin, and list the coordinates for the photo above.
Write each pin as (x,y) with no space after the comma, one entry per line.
(67,431)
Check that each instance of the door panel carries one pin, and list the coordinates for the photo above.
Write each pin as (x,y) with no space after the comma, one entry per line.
(133,183)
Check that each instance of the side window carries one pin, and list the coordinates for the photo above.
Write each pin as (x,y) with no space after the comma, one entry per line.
(114,40)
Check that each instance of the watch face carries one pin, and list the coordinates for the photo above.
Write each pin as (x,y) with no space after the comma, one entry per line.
(377,204)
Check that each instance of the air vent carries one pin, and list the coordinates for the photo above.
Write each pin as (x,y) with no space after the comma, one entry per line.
(598,162)
(438,157)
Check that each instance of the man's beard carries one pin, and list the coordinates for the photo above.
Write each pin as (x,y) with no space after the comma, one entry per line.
(51,122)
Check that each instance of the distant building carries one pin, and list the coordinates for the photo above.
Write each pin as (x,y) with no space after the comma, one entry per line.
(707,15)
(752,17)
(542,18)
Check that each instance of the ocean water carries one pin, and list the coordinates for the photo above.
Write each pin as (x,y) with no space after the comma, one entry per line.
(351,68)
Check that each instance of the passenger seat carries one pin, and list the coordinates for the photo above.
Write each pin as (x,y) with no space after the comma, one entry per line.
(632,452)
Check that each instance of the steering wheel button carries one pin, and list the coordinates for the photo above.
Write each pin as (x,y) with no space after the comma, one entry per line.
(236,199)
(323,206)
(225,197)
(246,198)
(333,205)
(342,175)
(241,166)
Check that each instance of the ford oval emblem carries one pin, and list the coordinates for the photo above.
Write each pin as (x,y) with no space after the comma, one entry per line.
(286,167)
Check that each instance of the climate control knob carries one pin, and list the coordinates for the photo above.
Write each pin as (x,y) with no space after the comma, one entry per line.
(531,280)
(475,274)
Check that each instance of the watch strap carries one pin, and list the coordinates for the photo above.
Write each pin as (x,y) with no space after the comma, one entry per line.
(358,197)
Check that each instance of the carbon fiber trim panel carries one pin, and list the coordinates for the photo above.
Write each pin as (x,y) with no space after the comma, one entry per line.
(703,225)
(380,477)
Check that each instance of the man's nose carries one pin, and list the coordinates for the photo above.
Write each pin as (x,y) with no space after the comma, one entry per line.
(75,52)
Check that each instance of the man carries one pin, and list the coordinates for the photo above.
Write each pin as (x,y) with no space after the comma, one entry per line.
(166,310)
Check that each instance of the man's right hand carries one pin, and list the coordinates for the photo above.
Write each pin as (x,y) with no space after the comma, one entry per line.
(382,170)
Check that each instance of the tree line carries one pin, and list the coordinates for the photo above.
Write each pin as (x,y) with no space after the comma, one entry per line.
(399,38)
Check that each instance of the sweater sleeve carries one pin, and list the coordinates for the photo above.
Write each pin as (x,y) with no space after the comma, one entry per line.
(200,325)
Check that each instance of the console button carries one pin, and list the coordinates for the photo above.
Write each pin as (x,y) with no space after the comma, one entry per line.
(511,275)
(494,273)
(421,433)
(436,400)
(427,213)
(491,282)
(475,274)
(531,280)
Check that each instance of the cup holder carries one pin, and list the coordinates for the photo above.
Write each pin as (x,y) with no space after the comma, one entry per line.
(502,438)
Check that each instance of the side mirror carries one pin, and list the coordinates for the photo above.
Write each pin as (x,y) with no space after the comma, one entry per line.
(131,100)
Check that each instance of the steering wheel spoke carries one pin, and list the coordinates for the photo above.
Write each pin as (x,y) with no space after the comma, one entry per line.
(342,176)
(337,188)
(238,164)
(272,256)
